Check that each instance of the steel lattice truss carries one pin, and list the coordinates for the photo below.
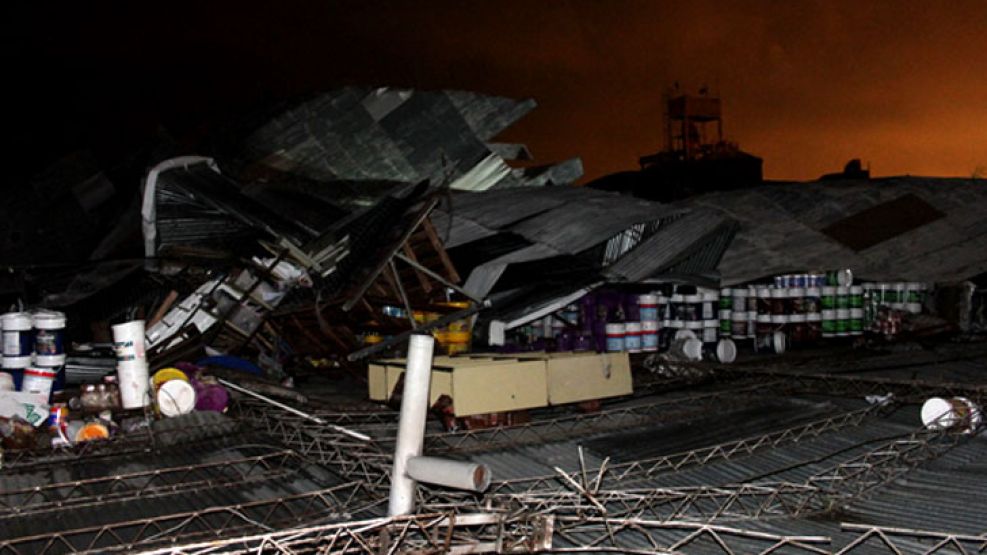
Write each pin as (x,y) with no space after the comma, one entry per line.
(340,502)
(504,533)
(77,494)
(906,540)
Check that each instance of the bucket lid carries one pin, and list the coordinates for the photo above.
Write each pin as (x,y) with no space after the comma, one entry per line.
(175,397)
(49,360)
(16,321)
(844,277)
(632,327)
(726,351)
(937,413)
(647,299)
(778,340)
(17,362)
(614,328)
(693,349)
(49,320)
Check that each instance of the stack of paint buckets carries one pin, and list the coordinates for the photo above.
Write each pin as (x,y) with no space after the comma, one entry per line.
(34,350)
(132,372)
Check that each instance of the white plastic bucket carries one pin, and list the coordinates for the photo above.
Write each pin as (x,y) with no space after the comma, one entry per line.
(615,337)
(38,381)
(632,337)
(132,375)
(649,336)
(648,307)
(49,337)
(16,335)
(710,327)
(128,341)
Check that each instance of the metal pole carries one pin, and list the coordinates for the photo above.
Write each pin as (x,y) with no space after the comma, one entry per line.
(411,426)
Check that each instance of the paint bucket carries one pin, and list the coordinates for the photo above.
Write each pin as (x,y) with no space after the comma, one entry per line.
(842,322)
(686,348)
(7,382)
(128,342)
(726,351)
(763,300)
(813,327)
(958,412)
(913,301)
(828,323)
(739,297)
(842,297)
(856,321)
(796,300)
(710,328)
(38,381)
(828,299)
(615,337)
(725,323)
(798,331)
(649,336)
(726,299)
(738,325)
(709,304)
(134,383)
(692,308)
(813,298)
(17,343)
(856,296)
(779,301)
(751,321)
(648,307)
(632,337)
(49,337)
(900,295)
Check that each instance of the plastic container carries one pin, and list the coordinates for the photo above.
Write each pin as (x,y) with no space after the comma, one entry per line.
(779,301)
(813,327)
(710,329)
(739,296)
(17,342)
(38,380)
(842,297)
(856,324)
(725,322)
(686,348)
(828,324)
(796,300)
(132,376)
(842,322)
(812,301)
(751,321)
(710,301)
(632,337)
(128,341)
(692,308)
(49,337)
(676,307)
(958,412)
(738,325)
(615,337)
(726,298)
(648,307)
(764,300)
(649,336)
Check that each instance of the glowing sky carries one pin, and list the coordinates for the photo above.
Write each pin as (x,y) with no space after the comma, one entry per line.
(806,85)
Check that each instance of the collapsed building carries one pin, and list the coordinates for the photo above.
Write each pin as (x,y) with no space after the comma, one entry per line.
(293,263)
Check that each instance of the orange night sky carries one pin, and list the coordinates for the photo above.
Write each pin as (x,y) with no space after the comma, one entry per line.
(806,85)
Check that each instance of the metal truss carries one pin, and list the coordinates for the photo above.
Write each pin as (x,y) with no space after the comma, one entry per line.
(93,492)
(820,493)
(340,502)
(507,533)
(899,541)
(615,474)
(578,425)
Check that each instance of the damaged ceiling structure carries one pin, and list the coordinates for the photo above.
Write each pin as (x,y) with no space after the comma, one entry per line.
(353,224)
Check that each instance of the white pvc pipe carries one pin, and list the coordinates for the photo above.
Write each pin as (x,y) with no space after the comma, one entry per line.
(411,426)
(454,474)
